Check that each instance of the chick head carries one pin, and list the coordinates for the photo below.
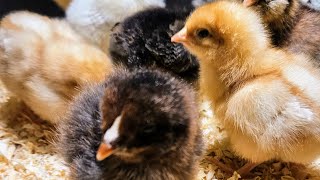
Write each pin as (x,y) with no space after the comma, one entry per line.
(145,115)
(221,27)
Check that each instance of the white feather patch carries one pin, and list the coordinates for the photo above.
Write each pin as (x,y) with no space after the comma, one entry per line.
(113,132)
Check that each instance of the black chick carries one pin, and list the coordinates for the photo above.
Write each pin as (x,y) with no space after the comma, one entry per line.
(143,40)
(146,122)
(43,7)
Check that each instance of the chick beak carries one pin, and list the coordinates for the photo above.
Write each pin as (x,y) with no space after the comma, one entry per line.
(248,3)
(180,37)
(104,151)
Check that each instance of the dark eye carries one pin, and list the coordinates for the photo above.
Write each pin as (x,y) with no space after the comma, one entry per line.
(149,129)
(203,33)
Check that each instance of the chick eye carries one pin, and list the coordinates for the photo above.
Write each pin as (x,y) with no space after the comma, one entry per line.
(203,33)
(149,129)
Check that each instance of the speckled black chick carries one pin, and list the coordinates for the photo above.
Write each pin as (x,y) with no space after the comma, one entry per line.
(43,7)
(292,26)
(143,40)
(145,122)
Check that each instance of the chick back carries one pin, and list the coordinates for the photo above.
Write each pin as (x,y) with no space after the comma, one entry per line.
(143,40)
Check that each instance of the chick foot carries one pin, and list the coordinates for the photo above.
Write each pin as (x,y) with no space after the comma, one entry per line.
(298,171)
(222,166)
(245,170)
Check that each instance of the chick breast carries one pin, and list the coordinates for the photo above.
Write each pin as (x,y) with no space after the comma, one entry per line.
(43,61)
(143,40)
(81,133)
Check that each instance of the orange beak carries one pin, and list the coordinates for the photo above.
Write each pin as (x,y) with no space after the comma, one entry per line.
(104,151)
(180,37)
(248,3)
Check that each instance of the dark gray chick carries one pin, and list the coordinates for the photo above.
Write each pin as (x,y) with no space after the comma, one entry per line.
(145,122)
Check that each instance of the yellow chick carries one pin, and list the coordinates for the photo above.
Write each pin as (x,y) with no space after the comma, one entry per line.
(43,62)
(267,99)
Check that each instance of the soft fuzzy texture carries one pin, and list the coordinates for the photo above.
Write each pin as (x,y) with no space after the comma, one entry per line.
(94,18)
(143,40)
(44,7)
(266,98)
(291,25)
(43,62)
(313,4)
(158,136)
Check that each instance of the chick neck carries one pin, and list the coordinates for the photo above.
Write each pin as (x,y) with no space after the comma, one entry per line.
(232,67)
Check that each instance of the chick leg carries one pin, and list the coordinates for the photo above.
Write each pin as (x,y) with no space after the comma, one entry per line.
(299,171)
(245,170)
(222,166)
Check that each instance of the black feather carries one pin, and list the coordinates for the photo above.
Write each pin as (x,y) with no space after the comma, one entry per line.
(143,40)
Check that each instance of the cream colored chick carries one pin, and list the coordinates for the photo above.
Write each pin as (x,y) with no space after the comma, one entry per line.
(267,99)
(43,62)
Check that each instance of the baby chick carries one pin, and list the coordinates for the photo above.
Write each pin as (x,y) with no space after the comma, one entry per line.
(44,7)
(43,61)
(291,25)
(266,98)
(143,40)
(141,124)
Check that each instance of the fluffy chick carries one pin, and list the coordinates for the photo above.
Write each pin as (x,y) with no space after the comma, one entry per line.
(291,25)
(143,40)
(43,61)
(266,98)
(44,7)
(145,122)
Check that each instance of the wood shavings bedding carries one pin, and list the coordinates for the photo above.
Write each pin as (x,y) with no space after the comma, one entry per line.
(25,148)
(26,151)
